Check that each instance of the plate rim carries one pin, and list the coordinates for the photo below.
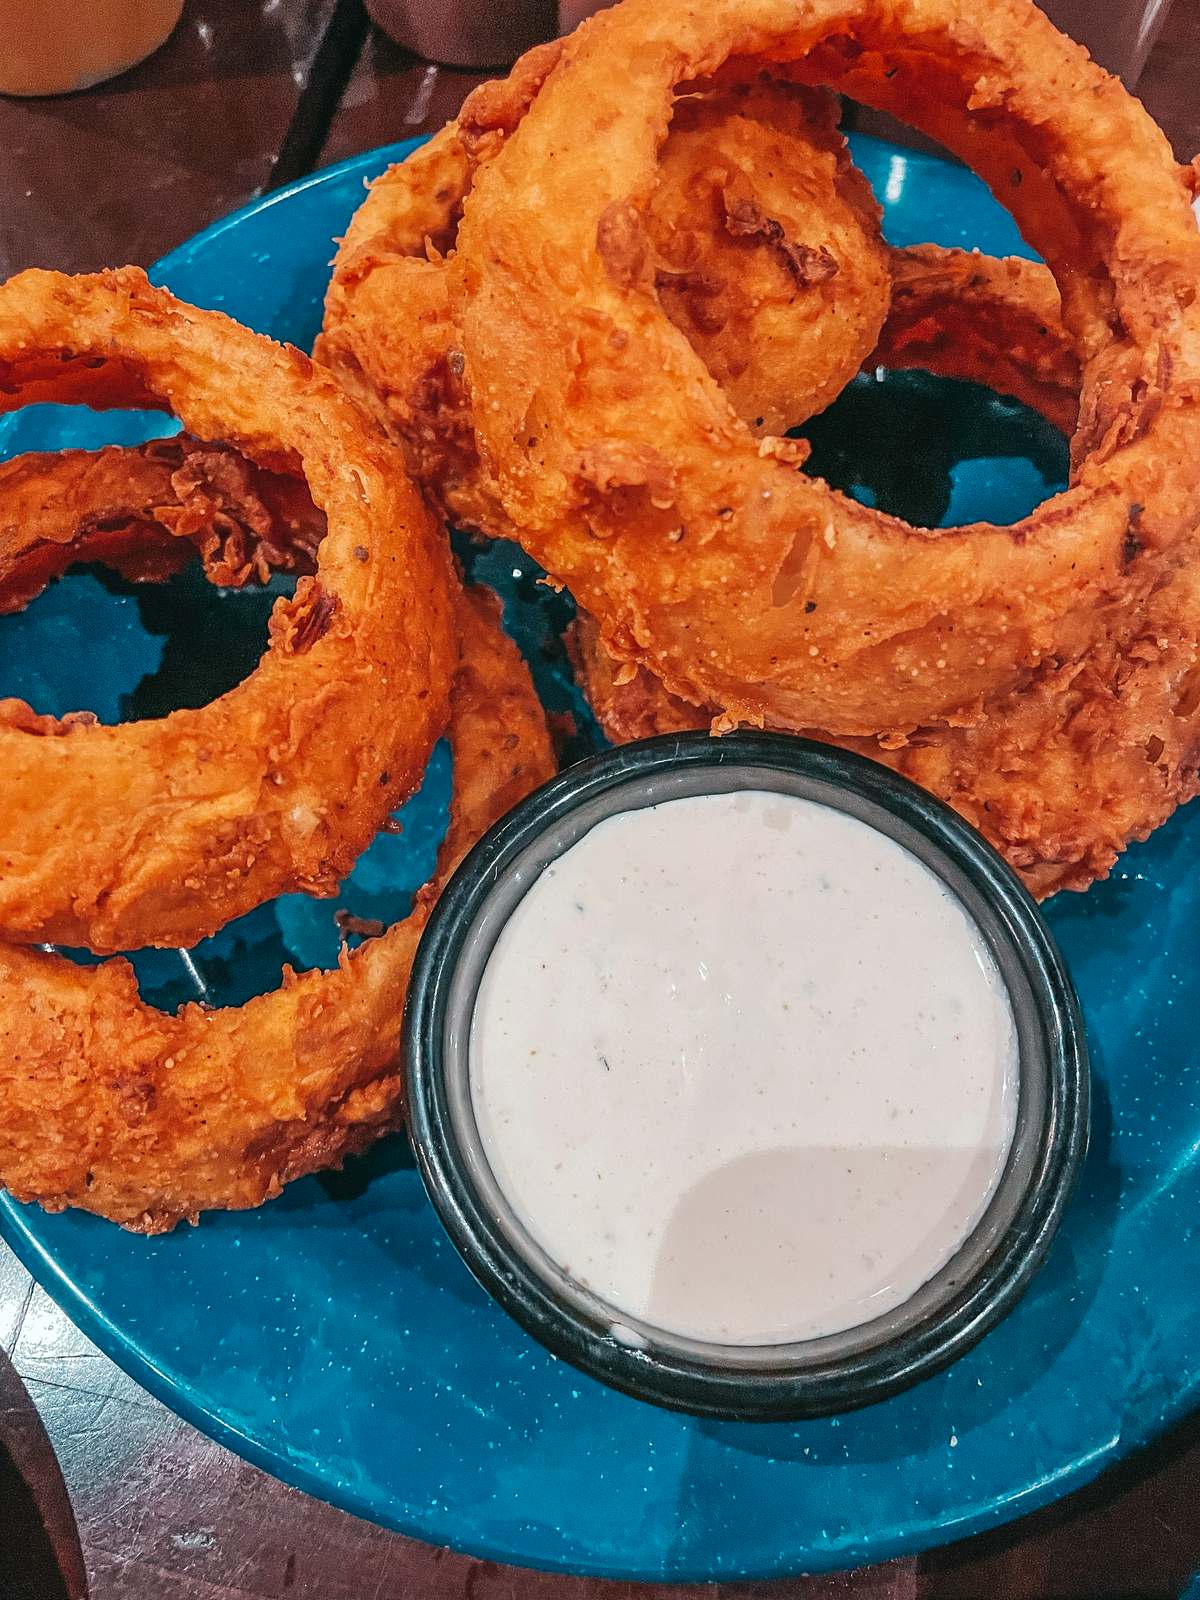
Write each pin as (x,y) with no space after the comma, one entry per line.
(365,160)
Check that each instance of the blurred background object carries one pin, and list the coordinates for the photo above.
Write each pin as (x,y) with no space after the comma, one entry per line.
(40,1554)
(1120,34)
(464,33)
(572,12)
(50,48)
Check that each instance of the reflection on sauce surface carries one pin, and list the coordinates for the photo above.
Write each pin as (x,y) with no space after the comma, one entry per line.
(744,1067)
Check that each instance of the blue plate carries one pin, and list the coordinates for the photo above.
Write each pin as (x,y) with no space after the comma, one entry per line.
(335,1338)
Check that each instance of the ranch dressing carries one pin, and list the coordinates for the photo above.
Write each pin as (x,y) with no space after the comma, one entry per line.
(744,1067)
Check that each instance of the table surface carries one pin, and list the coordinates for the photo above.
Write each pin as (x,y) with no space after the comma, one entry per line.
(102,1490)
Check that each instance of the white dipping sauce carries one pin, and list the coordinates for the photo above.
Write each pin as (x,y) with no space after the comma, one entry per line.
(744,1067)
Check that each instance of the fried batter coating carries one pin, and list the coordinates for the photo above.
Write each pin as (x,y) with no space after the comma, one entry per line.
(766,250)
(160,832)
(761,236)
(144,512)
(1091,754)
(149,1119)
(702,551)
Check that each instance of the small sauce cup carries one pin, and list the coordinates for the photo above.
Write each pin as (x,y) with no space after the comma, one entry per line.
(837,1372)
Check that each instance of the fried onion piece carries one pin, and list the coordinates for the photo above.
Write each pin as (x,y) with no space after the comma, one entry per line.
(160,832)
(112,1106)
(628,701)
(996,322)
(1091,754)
(760,239)
(145,510)
(711,559)
(389,331)
(954,313)
(1063,776)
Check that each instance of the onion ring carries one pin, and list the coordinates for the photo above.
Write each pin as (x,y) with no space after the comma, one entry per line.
(997,322)
(767,257)
(112,1106)
(144,511)
(159,832)
(1063,776)
(767,254)
(703,553)
(954,313)
(1090,755)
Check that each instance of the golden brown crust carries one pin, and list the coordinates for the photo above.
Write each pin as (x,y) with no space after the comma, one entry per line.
(148,1119)
(145,511)
(809,609)
(1061,778)
(1089,755)
(760,238)
(999,322)
(765,249)
(390,332)
(159,832)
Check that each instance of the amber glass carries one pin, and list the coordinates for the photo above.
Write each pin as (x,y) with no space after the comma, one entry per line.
(54,46)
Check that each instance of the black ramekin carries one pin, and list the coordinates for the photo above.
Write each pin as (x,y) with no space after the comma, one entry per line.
(814,1377)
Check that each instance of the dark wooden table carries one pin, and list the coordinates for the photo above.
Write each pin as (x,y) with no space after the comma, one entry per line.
(102,1491)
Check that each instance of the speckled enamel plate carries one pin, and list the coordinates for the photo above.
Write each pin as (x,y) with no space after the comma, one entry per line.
(335,1338)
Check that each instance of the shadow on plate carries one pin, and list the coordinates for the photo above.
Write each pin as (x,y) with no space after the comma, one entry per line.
(1045,1321)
